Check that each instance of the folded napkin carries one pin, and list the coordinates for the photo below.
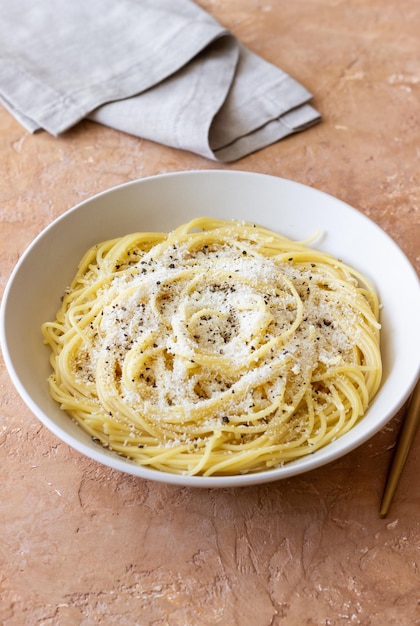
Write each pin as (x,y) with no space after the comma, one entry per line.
(164,70)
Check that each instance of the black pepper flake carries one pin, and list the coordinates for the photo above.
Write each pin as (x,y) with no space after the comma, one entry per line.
(225,419)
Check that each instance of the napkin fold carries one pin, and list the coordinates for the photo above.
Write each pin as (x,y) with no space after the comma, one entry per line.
(163,70)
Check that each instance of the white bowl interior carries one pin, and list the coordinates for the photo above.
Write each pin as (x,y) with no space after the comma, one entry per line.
(163,202)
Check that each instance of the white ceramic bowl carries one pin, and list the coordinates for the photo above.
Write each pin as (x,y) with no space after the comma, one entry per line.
(162,203)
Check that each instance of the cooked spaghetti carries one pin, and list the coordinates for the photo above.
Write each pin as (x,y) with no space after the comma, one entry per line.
(220,348)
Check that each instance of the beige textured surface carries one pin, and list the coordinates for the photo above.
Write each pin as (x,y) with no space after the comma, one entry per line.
(82,544)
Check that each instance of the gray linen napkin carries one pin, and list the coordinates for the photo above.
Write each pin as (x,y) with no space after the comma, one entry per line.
(164,70)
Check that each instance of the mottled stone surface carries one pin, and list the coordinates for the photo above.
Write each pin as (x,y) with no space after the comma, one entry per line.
(82,544)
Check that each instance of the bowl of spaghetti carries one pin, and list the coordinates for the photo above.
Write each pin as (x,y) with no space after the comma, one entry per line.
(212,328)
